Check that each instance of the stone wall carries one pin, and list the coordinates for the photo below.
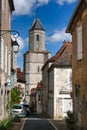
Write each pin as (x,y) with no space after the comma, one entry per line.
(79,68)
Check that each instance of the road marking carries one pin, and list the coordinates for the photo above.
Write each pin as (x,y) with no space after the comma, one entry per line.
(35,119)
(23,124)
(53,125)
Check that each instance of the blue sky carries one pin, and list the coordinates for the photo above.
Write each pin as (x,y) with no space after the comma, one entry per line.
(54,16)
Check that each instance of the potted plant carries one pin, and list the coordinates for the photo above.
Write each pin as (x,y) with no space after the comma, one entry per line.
(70,120)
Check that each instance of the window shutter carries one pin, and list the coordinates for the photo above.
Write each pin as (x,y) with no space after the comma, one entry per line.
(79,43)
(2,54)
(9,64)
(6,57)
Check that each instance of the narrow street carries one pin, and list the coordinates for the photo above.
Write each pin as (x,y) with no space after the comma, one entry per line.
(36,122)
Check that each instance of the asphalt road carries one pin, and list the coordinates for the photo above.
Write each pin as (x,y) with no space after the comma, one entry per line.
(37,123)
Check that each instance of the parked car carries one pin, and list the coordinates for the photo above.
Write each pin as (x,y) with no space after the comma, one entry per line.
(18,110)
(27,108)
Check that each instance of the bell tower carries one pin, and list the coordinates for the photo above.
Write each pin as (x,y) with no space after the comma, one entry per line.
(37,37)
(35,57)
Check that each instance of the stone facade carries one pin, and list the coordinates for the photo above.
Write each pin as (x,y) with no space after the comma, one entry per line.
(6,8)
(60,87)
(78,28)
(45,88)
(57,85)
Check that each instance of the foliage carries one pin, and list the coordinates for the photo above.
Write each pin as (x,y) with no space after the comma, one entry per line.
(15,96)
(5,124)
(70,120)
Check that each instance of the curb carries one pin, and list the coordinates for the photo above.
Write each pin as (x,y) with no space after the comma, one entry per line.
(23,124)
(52,124)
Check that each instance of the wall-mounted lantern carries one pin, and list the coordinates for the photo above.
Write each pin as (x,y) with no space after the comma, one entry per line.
(15,46)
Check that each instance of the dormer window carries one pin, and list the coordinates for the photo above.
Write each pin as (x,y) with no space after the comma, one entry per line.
(37,37)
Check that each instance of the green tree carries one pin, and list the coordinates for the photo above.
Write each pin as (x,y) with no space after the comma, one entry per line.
(15,96)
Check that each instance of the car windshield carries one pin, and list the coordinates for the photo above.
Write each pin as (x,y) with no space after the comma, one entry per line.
(25,105)
(17,107)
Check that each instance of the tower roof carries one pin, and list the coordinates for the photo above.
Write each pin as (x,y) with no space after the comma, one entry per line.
(37,25)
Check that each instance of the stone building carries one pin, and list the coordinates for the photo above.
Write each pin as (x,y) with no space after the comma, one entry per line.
(35,58)
(36,98)
(57,83)
(6,8)
(78,28)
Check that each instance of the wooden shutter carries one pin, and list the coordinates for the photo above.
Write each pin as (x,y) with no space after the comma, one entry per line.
(79,43)
(2,54)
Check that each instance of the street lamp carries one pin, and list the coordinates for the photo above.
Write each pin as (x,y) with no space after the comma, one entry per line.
(5,65)
(15,46)
(15,49)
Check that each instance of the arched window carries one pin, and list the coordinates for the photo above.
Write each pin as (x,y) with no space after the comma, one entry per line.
(37,37)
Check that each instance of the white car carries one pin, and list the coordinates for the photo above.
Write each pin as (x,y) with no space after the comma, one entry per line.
(18,110)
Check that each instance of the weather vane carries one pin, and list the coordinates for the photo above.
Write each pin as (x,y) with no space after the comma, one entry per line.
(37,12)
(37,9)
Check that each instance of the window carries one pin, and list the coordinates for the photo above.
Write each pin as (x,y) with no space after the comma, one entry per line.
(37,38)
(2,54)
(69,79)
(9,64)
(79,43)
(38,69)
(6,58)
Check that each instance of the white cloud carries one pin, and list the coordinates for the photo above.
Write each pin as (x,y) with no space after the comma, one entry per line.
(61,2)
(23,7)
(42,2)
(58,36)
(21,43)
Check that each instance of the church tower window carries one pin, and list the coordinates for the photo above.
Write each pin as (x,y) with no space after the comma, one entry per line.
(37,38)
(38,69)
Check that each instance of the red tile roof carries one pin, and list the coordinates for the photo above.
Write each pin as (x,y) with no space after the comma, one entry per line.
(20,75)
(63,56)
(38,88)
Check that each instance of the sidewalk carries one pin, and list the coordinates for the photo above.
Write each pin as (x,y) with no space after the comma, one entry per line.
(58,124)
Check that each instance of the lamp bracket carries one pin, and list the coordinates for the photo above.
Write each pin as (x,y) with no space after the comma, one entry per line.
(14,32)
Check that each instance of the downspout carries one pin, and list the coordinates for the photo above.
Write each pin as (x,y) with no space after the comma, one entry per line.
(0,32)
